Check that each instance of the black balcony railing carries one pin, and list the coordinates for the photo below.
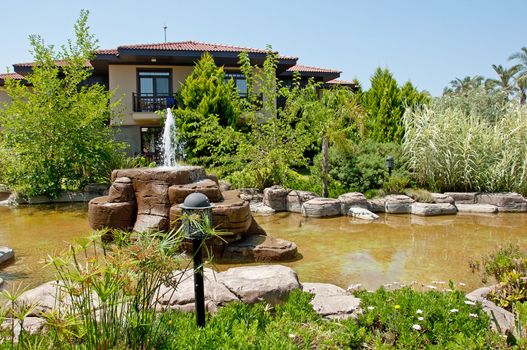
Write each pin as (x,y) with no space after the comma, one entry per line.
(152,103)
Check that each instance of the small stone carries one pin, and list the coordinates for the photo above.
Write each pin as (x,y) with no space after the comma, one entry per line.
(6,254)
(361,213)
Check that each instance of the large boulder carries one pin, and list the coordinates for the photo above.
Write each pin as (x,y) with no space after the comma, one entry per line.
(377,205)
(463,197)
(252,284)
(102,213)
(48,296)
(432,209)
(6,254)
(502,320)
(180,295)
(477,208)
(352,199)
(260,248)
(321,207)
(398,204)
(506,202)
(251,195)
(295,199)
(276,198)
(210,188)
(442,198)
(332,302)
(361,213)
(232,215)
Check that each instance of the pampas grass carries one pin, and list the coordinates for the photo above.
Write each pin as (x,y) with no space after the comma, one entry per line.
(452,150)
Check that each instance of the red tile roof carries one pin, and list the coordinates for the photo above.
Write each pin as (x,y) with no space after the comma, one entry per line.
(11,76)
(195,46)
(107,52)
(340,82)
(308,69)
(58,63)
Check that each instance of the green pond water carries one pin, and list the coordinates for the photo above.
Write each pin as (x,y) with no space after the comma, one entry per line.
(342,250)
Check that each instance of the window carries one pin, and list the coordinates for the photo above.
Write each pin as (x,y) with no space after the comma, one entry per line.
(154,83)
(239,81)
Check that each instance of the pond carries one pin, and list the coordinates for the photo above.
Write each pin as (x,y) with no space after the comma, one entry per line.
(342,250)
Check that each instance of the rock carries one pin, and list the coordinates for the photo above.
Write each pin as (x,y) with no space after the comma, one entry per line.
(463,197)
(432,209)
(377,205)
(178,193)
(269,283)
(506,202)
(47,296)
(170,176)
(4,194)
(501,320)
(442,198)
(251,194)
(352,199)
(121,191)
(231,215)
(361,213)
(31,325)
(255,229)
(295,199)
(1,283)
(146,222)
(276,198)
(476,208)
(352,288)
(182,297)
(224,186)
(321,207)
(332,302)
(260,248)
(102,214)
(260,208)
(6,254)
(398,204)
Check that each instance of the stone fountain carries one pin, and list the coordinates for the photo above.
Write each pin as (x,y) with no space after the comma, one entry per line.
(142,199)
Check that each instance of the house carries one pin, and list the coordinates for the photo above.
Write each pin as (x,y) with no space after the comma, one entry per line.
(147,77)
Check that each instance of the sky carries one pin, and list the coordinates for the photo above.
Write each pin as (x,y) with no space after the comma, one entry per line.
(427,42)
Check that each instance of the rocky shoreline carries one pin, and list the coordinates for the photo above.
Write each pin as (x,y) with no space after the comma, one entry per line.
(249,284)
(278,199)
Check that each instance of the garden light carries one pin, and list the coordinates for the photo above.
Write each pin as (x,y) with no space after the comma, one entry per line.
(198,205)
(389,164)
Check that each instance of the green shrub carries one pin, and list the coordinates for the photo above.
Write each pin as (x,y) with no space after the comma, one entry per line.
(508,267)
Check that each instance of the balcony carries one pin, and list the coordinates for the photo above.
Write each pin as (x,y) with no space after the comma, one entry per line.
(152,103)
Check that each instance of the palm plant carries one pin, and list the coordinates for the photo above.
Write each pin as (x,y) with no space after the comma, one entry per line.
(463,86)
(521,78)
(505,81)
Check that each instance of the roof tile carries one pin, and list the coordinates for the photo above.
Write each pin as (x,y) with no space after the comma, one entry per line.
(309,69)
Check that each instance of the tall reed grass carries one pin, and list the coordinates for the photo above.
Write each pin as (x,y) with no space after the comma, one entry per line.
(460,149)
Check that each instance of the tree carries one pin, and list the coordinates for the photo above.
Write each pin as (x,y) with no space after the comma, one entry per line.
(505,80)
(521,78)
(385,103)
(55,134)
(463,86)
(206,99)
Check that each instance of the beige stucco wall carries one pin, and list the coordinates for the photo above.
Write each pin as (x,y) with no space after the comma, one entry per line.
(123,80)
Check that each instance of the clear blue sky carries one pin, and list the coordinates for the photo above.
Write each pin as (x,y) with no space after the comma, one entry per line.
(427,42)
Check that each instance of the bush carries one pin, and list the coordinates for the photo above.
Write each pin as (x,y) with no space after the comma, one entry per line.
(362,166)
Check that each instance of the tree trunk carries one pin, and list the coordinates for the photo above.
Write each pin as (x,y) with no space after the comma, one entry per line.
(325,166)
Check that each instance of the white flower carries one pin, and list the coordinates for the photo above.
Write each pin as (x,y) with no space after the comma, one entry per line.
(431,287)
(469,302)
(419,311)
(371,308)
(454,310)
(420,318)
(416,327)
(473,315)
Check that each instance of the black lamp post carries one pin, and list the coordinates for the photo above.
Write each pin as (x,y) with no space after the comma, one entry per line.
(197,204)
(389,164)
